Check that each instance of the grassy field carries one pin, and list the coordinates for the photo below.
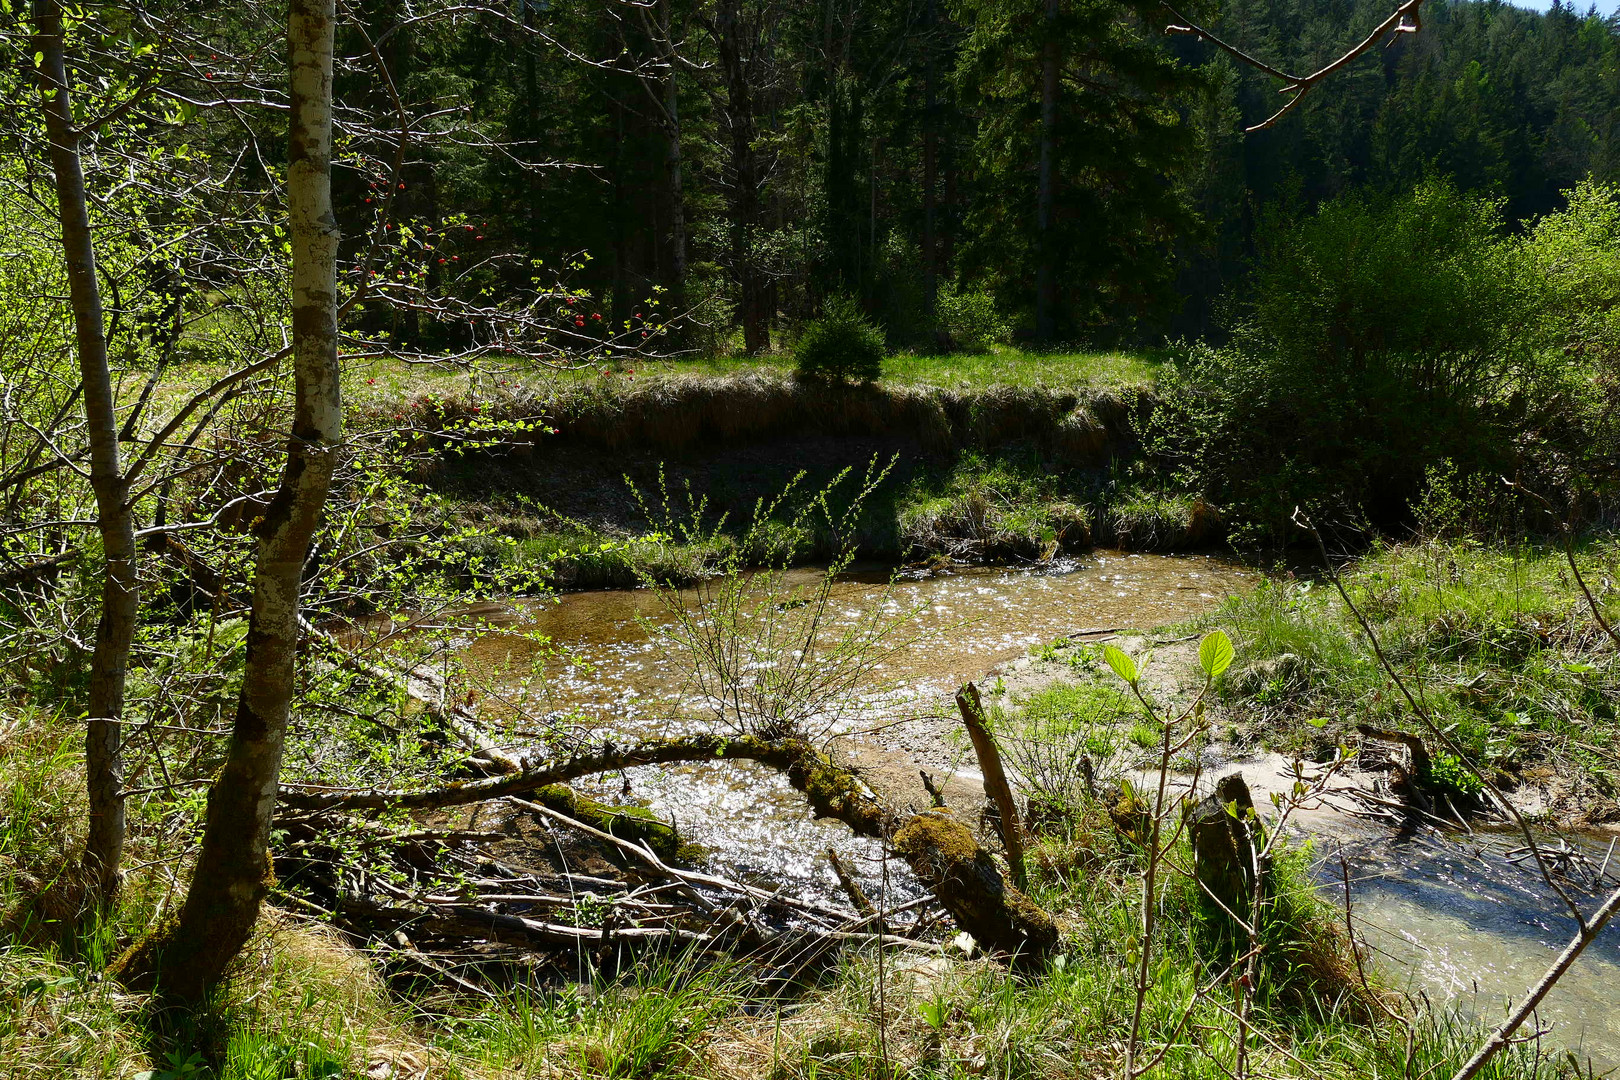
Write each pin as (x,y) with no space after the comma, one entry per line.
(388,380)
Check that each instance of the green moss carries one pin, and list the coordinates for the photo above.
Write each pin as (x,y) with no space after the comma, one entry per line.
(936,835)
(634,823)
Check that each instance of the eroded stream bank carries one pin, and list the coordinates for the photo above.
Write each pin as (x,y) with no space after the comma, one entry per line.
(1457,921)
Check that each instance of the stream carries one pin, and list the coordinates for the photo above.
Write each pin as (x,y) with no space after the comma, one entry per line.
(1453,919)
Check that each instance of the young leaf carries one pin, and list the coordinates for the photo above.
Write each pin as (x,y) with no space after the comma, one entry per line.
(1215,653)
(1123,665)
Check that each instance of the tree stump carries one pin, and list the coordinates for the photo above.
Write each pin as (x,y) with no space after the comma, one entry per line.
(1226,838)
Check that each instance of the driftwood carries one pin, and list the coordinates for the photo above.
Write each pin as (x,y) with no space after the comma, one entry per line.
(449,915)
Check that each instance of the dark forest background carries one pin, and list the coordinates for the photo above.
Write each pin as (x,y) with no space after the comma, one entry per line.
(743,160)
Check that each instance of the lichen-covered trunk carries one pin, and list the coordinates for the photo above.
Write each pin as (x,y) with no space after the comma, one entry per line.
(120,592)
(233,867)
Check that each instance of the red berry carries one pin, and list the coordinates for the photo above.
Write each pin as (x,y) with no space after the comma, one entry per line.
(597,316)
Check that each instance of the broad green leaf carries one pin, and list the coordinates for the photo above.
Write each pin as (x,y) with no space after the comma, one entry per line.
(1123,665)
(1215,653)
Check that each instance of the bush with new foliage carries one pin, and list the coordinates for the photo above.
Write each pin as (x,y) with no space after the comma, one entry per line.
(1384,335)
(842,344)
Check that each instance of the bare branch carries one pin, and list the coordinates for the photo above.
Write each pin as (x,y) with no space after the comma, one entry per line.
(1403,20)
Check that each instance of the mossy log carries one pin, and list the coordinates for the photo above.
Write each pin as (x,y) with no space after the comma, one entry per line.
(964,877)
(941,850)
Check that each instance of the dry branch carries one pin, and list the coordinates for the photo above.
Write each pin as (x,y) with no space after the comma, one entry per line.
(995,779)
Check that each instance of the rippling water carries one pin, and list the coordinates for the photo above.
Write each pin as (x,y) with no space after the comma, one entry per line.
(616,679)
(1455,919)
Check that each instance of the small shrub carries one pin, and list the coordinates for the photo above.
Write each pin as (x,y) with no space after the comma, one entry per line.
(970,320)
(1446,771)
(842,344)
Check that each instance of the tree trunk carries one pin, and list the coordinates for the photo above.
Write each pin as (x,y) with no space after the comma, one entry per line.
(930,155)
(1045,256)
(120,596)
(673,181)
(739,107)
(620,309)
(233,868)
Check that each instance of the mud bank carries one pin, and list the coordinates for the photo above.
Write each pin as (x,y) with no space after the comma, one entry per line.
(997,476)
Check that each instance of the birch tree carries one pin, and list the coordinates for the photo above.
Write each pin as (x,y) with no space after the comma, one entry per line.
(233,867)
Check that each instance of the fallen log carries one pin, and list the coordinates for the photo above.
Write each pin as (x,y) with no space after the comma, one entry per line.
(941,850)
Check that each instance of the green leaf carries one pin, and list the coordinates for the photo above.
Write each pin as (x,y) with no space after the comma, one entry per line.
(1123,665)
(1215,653)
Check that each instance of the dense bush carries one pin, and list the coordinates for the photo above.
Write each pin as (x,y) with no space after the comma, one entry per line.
(1575,256)
(842,344)
(1384,335)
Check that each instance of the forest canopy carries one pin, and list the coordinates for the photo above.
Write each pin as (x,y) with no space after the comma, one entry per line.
(753,158)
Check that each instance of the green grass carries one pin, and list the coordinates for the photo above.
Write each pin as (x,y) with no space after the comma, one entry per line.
(1499,643)
(1002,365)
(380,381)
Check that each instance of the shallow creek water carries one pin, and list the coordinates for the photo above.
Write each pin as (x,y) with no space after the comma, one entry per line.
(618,680)
(1455,920)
